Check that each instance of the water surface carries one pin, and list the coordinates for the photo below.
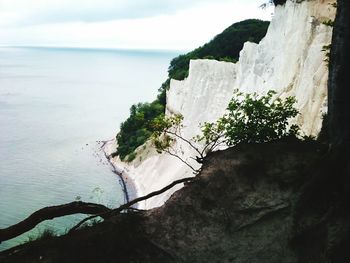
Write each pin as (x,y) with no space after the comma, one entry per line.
(54,105)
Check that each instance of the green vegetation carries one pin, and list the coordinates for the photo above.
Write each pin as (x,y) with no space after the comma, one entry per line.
(249,119)
(135,130)
(224,47)
(253,119)
(165,130)
(329,22)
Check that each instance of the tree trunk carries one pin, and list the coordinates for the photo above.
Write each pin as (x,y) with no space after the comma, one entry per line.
(49,213)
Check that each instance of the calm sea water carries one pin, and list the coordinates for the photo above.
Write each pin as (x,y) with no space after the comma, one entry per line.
(54,105)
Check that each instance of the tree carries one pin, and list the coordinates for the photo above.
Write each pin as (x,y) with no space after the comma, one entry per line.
(255,119)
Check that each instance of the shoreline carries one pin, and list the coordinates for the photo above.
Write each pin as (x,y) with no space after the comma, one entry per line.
(127,184)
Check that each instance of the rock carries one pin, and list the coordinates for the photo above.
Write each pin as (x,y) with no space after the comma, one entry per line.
(240,209)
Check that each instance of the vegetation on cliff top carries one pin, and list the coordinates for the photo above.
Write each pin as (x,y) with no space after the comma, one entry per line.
(226,46)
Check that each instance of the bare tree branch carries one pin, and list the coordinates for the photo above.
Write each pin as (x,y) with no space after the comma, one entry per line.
(187,141)
(152,194)
(182,160)
(135,201)
(48,213)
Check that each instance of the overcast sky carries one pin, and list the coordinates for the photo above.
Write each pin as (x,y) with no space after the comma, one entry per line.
(135,24)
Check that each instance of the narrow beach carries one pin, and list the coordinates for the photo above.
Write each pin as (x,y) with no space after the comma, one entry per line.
(128,186)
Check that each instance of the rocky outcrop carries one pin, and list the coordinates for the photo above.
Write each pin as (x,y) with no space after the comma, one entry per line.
(239,209)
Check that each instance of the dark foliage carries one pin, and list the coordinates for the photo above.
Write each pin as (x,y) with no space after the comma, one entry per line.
(134,131)
(273,2)
(279,2)
(225,46)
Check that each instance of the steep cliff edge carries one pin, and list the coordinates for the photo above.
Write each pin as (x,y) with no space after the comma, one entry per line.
(289,60)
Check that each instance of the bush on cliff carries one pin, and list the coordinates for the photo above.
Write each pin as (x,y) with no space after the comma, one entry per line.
(253,119)
(249,119)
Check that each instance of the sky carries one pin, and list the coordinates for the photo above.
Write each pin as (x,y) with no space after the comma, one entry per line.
(130,24)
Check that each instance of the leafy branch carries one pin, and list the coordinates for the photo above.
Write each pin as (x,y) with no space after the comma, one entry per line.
(250,118)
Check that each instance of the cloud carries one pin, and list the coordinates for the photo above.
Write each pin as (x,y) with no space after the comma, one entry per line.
(29,12)
(184,29)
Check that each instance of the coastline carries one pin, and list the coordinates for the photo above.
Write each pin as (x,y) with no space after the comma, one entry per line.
(128,185)
(141,176)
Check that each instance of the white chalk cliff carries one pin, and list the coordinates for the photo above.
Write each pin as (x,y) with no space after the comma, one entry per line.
(288,60)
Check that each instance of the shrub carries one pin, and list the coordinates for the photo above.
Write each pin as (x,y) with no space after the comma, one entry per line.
(249,119)
(253,119)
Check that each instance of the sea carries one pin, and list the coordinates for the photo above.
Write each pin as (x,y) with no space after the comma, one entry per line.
(56,106)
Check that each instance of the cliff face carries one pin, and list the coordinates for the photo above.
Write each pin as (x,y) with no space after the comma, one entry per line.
(289,60)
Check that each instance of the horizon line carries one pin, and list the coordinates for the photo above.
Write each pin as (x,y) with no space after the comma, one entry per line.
(156,50)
